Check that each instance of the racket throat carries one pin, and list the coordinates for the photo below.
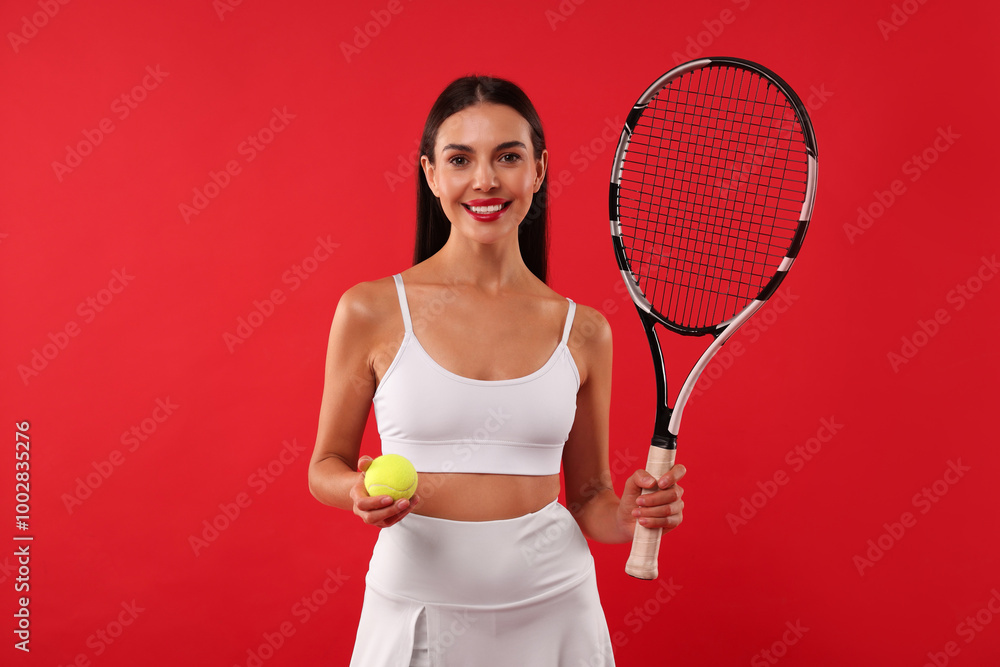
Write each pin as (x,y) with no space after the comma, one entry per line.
(669,441)
(662,436)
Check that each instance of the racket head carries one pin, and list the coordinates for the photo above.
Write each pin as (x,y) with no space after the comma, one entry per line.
(712,190)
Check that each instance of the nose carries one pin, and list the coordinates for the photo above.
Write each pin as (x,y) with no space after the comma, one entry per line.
(485,178)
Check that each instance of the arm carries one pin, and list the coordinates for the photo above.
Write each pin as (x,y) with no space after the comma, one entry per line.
(335,473)
(590,494)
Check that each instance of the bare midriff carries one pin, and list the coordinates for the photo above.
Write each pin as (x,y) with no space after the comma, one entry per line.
(483,497)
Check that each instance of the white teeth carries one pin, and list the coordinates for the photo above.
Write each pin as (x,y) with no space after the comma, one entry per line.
(486,209)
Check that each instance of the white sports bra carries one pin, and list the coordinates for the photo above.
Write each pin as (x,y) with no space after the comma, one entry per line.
(443,422)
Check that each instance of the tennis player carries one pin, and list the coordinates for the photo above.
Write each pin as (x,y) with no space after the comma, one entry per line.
(487,380)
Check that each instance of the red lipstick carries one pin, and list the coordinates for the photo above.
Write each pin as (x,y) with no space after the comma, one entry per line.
(486,210)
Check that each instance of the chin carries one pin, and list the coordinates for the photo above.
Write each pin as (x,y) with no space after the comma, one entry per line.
(486,232)
(491,236)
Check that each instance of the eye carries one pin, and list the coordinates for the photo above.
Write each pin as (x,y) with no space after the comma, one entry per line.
(510,158)
(458,161)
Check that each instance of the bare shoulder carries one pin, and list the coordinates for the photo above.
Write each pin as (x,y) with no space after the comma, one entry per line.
(368,306)
(590,343)
(591,330)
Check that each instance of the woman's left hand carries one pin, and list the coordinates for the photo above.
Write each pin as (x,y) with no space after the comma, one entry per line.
(663,508)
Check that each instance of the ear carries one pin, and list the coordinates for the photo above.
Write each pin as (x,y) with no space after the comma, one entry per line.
(541,166)
(430,173)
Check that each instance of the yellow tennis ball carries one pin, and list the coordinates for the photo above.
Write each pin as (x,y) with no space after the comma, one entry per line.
(391,475)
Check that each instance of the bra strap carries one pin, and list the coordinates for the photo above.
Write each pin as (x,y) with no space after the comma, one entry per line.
(403,306)
(569,321)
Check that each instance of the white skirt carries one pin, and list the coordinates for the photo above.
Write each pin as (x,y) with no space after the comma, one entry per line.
(487,593)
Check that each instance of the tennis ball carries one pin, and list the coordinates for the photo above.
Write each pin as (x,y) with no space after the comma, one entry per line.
(391,475)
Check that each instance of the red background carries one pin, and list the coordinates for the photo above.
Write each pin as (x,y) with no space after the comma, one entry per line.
(340,170)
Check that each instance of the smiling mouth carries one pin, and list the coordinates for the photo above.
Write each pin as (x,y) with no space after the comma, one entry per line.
(486,210)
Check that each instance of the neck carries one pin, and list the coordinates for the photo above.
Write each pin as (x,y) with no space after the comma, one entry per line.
(489,267)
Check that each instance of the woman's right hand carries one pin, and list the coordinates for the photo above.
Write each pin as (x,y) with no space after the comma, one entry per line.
(378,510)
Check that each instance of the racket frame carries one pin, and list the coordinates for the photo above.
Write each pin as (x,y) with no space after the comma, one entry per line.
(642,562)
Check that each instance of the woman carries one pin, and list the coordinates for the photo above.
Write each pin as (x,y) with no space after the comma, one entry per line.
(487,380)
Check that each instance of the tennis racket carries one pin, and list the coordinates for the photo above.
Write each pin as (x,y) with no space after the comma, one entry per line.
(711,192)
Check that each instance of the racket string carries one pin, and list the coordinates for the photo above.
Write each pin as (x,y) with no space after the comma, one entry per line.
(709,165)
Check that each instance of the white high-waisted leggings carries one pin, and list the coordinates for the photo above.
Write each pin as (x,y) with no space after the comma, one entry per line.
(486,593)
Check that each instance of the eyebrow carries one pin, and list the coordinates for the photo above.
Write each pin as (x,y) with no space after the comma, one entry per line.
(500,147)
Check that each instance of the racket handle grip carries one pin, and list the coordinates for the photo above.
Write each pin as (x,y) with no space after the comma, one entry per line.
(642,560)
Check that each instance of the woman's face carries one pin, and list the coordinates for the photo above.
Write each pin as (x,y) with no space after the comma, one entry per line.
(485,171)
